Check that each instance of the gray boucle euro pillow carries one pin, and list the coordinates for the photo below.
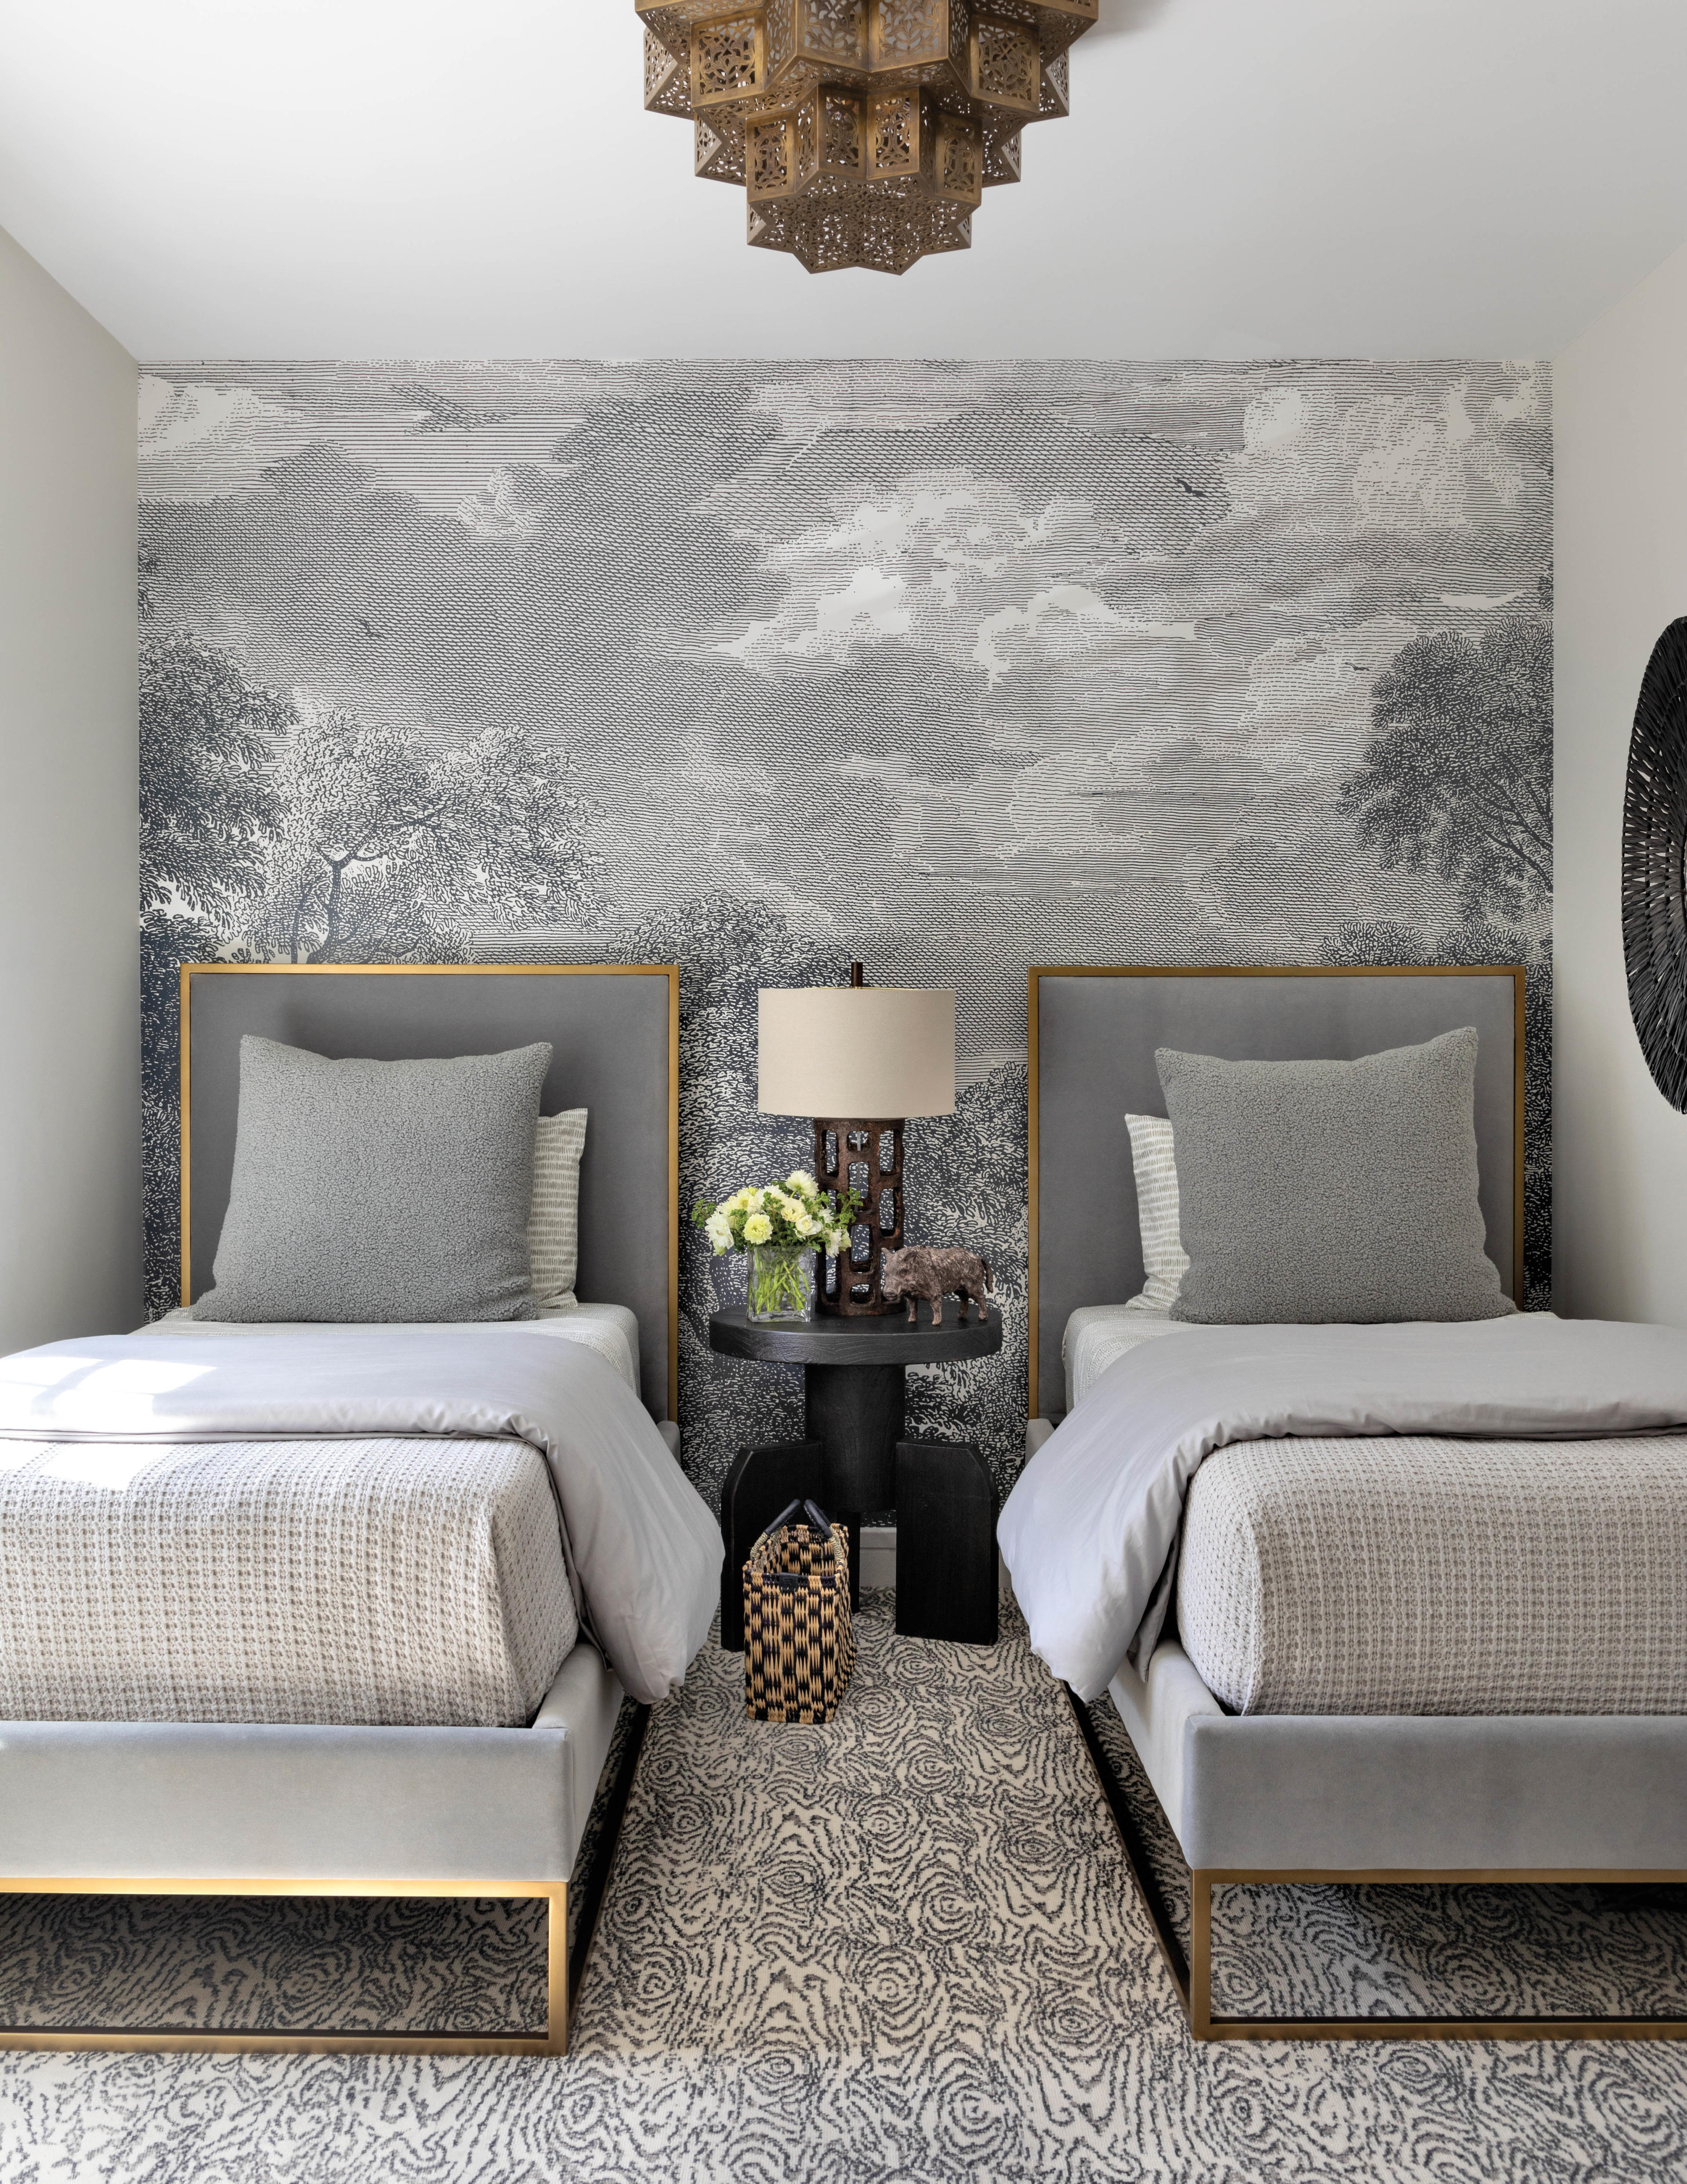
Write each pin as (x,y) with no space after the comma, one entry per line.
(379,1190)
(1331,1190)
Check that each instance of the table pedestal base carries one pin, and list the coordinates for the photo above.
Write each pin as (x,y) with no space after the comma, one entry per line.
(946,1582)
(859,1412)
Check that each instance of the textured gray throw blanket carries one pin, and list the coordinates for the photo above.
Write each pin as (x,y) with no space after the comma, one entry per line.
(644,1553)
(1089,1532)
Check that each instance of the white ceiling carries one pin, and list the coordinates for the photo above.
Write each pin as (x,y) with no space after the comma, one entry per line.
(364,178)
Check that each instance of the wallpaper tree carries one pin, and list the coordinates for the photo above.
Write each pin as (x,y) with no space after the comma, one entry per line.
(208,808)
(760,667)
(379,852)
(209,802)
(1460,775)
(1458,779)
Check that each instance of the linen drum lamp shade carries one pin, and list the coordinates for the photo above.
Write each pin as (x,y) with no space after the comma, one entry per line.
(878,1052)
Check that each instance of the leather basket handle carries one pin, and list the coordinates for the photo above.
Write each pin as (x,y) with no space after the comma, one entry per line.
(818,1519)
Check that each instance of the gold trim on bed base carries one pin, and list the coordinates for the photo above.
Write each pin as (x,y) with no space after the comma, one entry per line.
(1515,972)
(1193,1979)
(1196,1994)
(671,971)
(558,2001)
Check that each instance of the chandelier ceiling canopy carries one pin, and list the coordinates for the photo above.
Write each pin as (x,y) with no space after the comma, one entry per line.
(863,133)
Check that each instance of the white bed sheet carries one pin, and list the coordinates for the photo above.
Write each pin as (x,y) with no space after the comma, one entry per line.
(1097,1335)
(610,1329)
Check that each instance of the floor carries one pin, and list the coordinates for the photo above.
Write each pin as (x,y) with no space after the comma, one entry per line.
(900,1949)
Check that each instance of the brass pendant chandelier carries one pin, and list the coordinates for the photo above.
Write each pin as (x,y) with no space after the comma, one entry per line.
(864,132)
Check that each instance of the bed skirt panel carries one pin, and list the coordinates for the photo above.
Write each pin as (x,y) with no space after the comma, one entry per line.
(1367,1793)
(150,1801)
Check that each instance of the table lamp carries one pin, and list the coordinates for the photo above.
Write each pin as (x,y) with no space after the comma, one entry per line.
(857,1060)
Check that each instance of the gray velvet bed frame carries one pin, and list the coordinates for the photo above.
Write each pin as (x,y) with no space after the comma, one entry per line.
(213,1810)
(1305,1798)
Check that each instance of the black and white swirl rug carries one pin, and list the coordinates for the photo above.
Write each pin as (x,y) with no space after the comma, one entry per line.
(902,1948)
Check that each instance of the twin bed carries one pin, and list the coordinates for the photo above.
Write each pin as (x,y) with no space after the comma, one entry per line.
(413,1571)
(1388,1602)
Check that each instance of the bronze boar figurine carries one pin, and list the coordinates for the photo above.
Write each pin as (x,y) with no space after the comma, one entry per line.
(921,1272)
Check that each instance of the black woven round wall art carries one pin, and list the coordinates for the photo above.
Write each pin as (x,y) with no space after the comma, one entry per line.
(1654,843)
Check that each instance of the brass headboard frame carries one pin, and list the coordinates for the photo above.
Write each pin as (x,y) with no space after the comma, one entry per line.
(193,971)
(1039,971)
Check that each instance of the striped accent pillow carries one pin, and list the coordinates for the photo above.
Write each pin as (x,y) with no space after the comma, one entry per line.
(1164,1259)
(554,1225)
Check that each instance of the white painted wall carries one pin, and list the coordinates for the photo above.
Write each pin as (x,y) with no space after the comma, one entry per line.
(69,1003)
(1620,1216)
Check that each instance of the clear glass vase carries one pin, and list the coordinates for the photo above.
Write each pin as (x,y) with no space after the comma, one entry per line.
(779,1281)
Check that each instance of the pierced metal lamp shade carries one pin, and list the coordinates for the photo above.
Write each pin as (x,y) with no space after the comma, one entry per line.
(857,1060)
(863,133)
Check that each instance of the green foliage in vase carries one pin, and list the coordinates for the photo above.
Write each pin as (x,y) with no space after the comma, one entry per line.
(781,1282)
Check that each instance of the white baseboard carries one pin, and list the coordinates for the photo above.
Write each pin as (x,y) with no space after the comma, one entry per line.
(878,1554)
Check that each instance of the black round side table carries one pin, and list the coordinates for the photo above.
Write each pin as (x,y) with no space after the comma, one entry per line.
(853,1372)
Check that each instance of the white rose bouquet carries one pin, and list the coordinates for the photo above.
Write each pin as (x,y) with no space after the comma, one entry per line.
(795,1212)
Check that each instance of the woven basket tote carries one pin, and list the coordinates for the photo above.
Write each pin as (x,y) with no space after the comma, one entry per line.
(799,1642)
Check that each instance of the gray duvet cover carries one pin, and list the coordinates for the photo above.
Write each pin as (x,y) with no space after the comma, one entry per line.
(644,1553)
(1089,1532)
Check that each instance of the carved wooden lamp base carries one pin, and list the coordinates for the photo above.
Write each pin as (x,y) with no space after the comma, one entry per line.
(864,1156)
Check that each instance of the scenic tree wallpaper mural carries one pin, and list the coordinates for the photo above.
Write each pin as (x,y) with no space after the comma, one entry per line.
(954,668)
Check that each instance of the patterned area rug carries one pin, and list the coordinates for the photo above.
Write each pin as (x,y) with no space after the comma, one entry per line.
(901,1948)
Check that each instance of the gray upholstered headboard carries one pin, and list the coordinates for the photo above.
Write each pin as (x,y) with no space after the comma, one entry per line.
(1093,1036)
(616,1031)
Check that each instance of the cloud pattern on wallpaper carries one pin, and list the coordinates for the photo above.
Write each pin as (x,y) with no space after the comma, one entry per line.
(954,668)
